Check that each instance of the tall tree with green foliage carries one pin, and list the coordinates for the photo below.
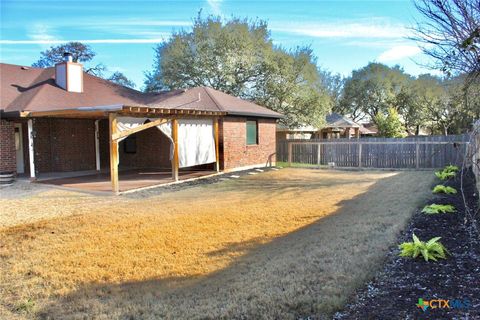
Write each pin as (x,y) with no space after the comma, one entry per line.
(237,57)
(334,84)
(372,90)
(389,125)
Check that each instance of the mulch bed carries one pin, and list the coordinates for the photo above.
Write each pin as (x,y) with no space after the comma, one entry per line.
(394,292)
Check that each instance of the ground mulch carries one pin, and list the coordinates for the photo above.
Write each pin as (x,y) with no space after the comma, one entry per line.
(394,292)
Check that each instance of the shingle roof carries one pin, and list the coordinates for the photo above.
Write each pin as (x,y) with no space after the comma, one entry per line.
(339,121)
(34,89)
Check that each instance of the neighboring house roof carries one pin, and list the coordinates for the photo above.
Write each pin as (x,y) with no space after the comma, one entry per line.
(34,89)
(370,127)
(338,121)
(334,120)
(366,131)
(284,128)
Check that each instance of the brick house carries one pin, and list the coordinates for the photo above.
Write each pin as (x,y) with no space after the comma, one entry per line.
(62,123)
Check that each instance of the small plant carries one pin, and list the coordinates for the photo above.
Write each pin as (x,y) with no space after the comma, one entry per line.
(444,189)
(430,250)
(451,168)
(448,172)
(445,175)
(438,208)
(25,306)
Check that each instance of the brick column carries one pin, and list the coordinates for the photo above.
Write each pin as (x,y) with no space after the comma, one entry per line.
(8,161)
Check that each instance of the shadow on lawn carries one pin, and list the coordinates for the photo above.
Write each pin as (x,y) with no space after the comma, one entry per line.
(312,270)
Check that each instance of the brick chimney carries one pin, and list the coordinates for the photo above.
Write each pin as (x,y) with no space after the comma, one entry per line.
(69,74)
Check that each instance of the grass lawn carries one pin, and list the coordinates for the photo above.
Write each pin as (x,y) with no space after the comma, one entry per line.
(280,244)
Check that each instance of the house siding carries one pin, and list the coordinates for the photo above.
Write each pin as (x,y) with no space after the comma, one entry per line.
(8,162)
(234,151)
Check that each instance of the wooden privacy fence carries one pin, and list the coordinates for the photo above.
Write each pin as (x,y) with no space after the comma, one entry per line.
(407,153)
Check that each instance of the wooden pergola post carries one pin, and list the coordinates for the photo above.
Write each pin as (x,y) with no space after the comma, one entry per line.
(175,164)
(357,133)
(112,119)
(217,149)
(97,146)
(31,152)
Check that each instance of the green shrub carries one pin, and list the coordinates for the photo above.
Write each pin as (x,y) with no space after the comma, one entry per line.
(430,250)
(438,208)
(444,189)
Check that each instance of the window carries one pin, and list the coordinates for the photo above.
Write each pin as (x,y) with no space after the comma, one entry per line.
(252,132)
(130,144)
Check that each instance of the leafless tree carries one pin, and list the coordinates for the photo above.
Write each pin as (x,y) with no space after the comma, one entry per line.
(450,33)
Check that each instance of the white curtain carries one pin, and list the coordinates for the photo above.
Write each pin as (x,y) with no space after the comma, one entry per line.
(196,142)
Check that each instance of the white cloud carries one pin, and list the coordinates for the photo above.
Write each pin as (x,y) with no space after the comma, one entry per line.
(40,33)
(399,52)
(347,30)
(215,6)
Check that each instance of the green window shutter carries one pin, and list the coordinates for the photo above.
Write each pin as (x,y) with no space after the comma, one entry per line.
(252,132)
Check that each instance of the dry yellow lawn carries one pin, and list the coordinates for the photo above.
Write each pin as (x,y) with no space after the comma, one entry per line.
(276,245)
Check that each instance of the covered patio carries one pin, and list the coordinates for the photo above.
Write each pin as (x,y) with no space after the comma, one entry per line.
(187,139)
(128,180)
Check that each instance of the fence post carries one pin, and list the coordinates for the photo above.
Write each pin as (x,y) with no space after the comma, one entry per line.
(417,155)
(290,154)
(359,154)
(318,153)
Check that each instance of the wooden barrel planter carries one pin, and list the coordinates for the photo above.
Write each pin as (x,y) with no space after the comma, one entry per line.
(6,178)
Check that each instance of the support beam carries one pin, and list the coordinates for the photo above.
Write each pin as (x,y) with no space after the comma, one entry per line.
(31,152)
(97,146)
(175,164)
(126,133)
(112,120)
(217,141)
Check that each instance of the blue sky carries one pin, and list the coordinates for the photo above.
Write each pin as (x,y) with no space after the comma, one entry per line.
(344,35)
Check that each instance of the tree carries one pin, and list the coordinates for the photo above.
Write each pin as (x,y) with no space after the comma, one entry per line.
(451,34)
(461,106)
(119,78)
(389,125)
(417,100)
(372,90)
(225,56)
(237,57)
(334,84)
(290,84)
(80,53)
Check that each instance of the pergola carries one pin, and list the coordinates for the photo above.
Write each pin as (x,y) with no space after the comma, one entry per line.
(156,115)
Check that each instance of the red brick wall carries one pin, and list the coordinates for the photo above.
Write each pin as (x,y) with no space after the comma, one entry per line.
(153,151)
(64,144)
(7,147)
(235,153)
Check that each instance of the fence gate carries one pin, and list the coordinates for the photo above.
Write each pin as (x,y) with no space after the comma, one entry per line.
(389,153)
